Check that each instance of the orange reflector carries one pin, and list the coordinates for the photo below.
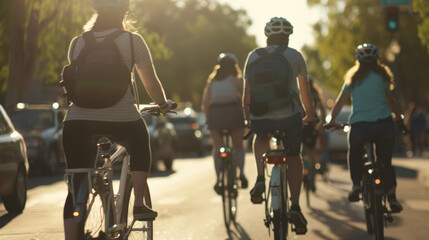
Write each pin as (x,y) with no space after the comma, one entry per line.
(377,181)
(76,214)
(223,155)
(275,159)
(305,171)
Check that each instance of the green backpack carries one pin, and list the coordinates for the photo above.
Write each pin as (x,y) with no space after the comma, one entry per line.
(271,79)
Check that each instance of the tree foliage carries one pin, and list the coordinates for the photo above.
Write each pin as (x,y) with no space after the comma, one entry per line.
(350,23)
(422,7)
(184,36)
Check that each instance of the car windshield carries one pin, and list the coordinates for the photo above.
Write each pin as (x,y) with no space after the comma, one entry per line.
(32,121)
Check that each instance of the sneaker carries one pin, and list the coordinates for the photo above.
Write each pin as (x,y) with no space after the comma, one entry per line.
(297,218)
(395,206)
(244,182)
(257,190)
(144,213)
(354,193)
(218,188)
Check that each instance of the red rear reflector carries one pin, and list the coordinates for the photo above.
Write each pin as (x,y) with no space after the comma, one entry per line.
(377,181)
(193,126)
(275,159)
(305,171)
(223,155)
(76,214)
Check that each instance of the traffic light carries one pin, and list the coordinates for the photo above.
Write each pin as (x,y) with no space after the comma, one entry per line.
(392,18)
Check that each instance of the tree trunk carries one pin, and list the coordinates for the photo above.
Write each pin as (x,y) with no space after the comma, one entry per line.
(24,48)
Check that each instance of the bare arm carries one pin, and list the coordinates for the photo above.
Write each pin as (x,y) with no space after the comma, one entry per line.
(341,100)
(307,99)
(207,97)
(152,84)
(394,107)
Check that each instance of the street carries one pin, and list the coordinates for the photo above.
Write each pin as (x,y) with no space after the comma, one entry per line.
(188,207)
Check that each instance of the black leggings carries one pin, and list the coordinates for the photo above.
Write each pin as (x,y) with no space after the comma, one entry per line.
(80,146)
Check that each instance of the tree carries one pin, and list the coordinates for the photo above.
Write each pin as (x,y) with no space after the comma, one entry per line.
(25,31)
(422,7)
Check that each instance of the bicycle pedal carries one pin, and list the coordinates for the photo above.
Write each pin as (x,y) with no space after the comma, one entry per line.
(300,230)
(256,200)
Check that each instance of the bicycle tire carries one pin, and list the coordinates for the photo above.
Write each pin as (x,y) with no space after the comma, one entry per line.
(226,196)
(135,229)
(378,217)
(97,220)
(367,205)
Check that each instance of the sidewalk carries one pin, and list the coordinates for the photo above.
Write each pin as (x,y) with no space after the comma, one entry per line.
(418,164)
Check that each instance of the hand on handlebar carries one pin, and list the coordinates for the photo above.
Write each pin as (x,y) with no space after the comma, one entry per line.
(170,106)
(333,124)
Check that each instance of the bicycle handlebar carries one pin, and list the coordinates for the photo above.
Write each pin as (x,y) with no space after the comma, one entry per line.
(155,110)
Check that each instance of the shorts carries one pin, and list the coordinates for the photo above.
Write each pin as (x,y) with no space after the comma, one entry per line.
(225,116)
(292,126)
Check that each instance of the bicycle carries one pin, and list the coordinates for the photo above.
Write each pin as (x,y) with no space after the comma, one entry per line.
(104,212)
(228,180)
(277,202)
(373,194)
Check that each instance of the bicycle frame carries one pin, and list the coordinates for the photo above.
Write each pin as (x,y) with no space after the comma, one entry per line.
(276,200)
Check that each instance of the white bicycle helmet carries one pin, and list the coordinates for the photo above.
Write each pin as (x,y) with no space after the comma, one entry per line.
(97,4)
(366,52)
(278,25)
(224,56)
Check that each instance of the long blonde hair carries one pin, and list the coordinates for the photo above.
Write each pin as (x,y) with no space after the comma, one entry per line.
(360,70)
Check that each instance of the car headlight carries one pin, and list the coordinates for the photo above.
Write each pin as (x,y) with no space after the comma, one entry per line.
(198,134)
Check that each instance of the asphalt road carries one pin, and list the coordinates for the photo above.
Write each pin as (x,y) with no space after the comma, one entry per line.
(189,209)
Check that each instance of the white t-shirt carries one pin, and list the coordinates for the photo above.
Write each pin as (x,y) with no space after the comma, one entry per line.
(125,110)
(299,68)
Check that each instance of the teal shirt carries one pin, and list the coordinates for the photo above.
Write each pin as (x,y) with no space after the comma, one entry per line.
(369,102)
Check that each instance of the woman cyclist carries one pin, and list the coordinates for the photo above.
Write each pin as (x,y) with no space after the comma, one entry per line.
(222,107)
(370,84)
(121,122)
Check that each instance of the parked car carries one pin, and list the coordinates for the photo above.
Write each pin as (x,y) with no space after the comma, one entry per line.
(13,166)
(162,140)
(41,126)
(337,139)
(207,139)
(189,135)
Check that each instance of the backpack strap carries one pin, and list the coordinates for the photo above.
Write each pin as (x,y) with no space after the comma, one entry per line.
(261,51)
(132,51)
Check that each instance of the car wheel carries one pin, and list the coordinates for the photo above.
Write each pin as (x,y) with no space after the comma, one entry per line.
(52,166)
(15,203)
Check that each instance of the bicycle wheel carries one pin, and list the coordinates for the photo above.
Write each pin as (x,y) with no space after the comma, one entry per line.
(135,229)
(306,182)
(367,205)
(227,202)
(378,217)
(280,219)
(99,211)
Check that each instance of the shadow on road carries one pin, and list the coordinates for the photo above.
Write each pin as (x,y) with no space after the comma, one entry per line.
(5,219)
(404,172)
(239,233)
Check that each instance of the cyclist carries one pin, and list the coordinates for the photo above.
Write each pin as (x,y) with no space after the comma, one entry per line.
(222,107)
(287,118)
(369,84)
(313,133)
(121,122)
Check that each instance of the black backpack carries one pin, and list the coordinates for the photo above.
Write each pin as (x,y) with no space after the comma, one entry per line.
(270,78)
(98,78)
